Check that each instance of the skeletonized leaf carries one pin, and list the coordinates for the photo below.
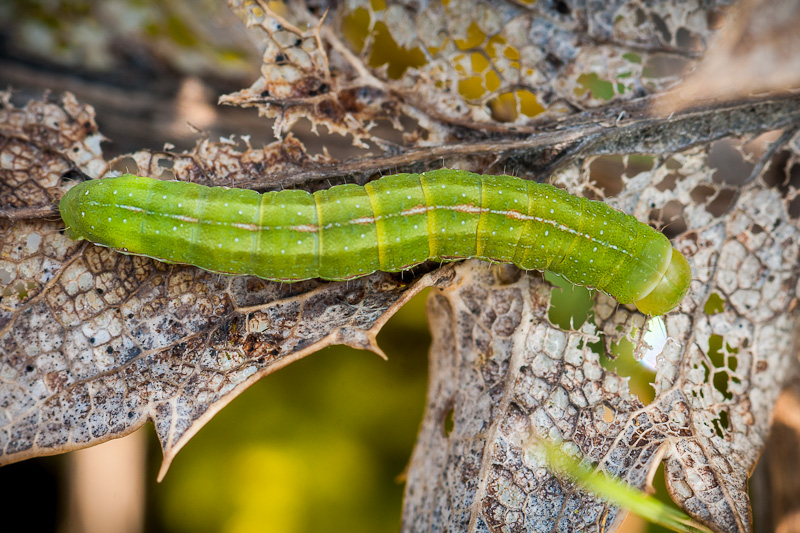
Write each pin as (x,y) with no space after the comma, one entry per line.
(758,50)
(94,343)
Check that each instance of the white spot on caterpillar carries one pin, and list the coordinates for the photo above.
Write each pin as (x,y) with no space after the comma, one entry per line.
(219,245)
(283,251)
(362,235)
(124,220)
(346,248)
(83,213)
(109,219)
(130,195)
(164,197)
(236,239)
(299,242)
(115,191)
(157,232)
(180,204)
(174,228)
(240,211)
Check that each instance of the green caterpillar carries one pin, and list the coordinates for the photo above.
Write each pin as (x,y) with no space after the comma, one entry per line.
(391,224)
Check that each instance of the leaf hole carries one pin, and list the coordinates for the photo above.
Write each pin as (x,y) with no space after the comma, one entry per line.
(714,305)
(688,40)
(726,159)
(776,174)
(721,379)
(619,359)
(73,175)
(563,8)
(384,50)
(599,88)
(669,182)
(661,28)
(606,173)
(448,420)
(715,351)
(702,193)
(635,164)
(125,165)
(665,66)
(721,424)
(570,305)
(669,219)
(722,202)
(794,207)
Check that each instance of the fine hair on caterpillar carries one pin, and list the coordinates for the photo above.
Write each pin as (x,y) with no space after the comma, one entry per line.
(390,224)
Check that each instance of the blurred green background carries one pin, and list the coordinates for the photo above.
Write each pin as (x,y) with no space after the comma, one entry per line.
(320,445)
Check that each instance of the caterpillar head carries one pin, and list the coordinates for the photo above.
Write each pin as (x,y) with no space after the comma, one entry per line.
(670,289)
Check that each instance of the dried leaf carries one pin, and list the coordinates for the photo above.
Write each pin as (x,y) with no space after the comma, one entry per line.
(96,343)
(506,373)
(757,51)
(102,342)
